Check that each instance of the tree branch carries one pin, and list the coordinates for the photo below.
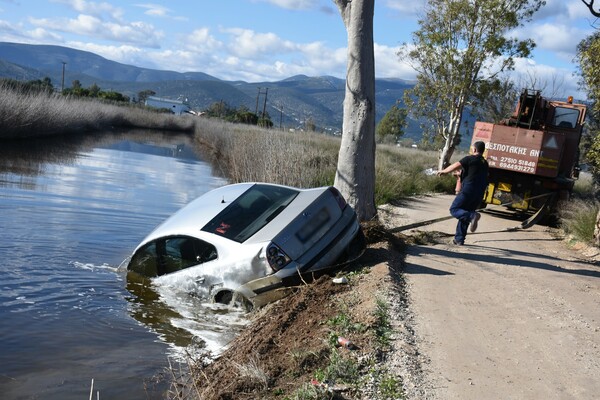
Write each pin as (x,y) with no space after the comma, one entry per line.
(590,5)
(344,7)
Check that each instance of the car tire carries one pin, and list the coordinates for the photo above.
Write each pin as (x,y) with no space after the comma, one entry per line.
(223,297)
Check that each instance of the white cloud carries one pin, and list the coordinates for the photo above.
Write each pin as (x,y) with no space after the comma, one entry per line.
(183,60)
(17,33)
(44,35)
(124,53)
(554,82)
(407,8)
(246,43)
(557,38)
(93,8)
(294,4)
(319,57)
(157,10)
(7,27)
(389,65)
(133,33)
(201,41)
(563,11)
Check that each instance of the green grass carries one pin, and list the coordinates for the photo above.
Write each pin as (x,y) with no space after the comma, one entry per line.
(383,328)
(584,187)
(578,219)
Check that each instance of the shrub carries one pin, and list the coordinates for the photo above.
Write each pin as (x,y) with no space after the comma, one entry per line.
(578,219)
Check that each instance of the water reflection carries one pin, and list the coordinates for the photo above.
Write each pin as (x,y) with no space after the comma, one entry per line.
(148,308)
(72,208)
(29,157)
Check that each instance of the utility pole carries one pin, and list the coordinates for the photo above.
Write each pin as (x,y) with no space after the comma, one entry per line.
(257,96)
(62,82)
(280,115)
(265,106)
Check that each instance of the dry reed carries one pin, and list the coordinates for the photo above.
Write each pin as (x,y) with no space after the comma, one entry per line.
(28,114)
(302,159)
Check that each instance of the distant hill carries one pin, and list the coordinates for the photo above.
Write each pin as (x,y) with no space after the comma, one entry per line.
(292,100)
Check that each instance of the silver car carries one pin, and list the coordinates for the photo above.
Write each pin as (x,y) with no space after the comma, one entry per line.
(250,242)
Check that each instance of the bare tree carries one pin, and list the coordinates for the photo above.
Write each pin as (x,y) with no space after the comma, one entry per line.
(355,175)
(590,5)
(552,86)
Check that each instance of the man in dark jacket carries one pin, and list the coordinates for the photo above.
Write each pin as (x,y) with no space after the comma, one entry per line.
(474,178)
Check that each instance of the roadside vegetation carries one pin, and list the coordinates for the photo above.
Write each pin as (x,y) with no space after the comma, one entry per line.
(308,159)
(578,217)
(27,112)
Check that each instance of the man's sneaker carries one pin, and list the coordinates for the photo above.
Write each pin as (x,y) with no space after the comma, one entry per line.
(454,242)
(474,222)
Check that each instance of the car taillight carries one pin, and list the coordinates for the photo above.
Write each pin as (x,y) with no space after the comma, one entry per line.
(338,197)
(276,257)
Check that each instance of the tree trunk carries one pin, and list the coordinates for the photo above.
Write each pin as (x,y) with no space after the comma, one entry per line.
(355,175)
(452,136)
(597,231)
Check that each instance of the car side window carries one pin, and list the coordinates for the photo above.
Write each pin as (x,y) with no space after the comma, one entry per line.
(145,261)
(171,254)
(183,252)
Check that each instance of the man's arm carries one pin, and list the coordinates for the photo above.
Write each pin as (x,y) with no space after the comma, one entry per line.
(450,168)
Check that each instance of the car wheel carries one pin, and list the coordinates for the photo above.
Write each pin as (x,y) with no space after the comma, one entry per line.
(356,247)
(224,297)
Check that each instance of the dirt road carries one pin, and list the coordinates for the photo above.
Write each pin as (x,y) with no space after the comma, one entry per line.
(510,315)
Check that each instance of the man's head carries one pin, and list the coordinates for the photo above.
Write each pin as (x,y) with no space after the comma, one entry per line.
(479,147)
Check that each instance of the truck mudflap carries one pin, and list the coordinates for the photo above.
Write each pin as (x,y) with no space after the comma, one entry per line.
(543,212)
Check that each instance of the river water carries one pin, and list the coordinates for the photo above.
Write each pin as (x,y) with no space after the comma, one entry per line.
(70,213)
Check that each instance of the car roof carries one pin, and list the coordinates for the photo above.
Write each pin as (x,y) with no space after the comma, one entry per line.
(190,219)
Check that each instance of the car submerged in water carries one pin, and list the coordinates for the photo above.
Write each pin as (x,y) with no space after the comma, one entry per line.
(249,242)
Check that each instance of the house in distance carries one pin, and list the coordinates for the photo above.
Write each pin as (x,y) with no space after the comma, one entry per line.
(175,106)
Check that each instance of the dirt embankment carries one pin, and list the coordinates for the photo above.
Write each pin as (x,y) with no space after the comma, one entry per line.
(510,315)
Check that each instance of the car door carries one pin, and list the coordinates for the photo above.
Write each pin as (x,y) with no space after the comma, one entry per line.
(171,254)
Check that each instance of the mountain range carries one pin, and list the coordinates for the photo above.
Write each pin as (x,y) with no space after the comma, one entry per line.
(291,101)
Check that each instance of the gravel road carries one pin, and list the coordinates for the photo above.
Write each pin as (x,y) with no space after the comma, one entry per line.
(510,315)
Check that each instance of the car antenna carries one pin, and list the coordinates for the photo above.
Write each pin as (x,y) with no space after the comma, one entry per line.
(223,200)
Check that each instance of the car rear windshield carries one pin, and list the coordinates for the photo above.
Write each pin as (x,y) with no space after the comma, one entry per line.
(254,209)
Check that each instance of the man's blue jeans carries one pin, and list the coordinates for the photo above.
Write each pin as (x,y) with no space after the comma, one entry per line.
(463,208)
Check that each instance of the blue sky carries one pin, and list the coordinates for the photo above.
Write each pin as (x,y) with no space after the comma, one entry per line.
(266,40)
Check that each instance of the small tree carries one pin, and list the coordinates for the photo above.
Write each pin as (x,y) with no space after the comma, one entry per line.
(144,94)
(245,116)
(392,124)
(309,124)
(588,55)
(94,90)
(461,44)
(498,107)
(218,109)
